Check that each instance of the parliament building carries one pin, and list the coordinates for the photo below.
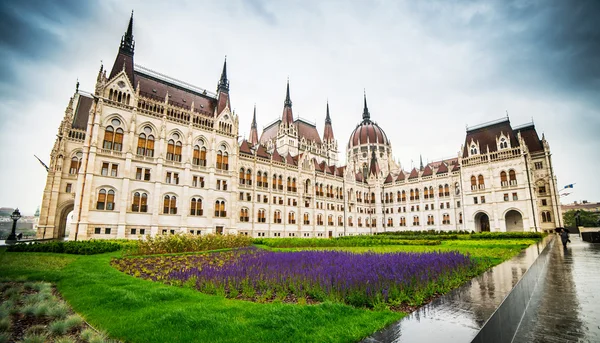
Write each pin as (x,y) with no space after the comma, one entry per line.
(146,154)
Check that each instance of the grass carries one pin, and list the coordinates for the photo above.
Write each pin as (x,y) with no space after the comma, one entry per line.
(153,312)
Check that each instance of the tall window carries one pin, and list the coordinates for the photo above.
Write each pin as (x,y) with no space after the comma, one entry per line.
(340,221)
(274,181)
(199,158)
(249,177)
(244,215)
(291,218)
(146,143)
(277,217)
(220,209)
(170,204)
(473,183)
(481,182)
(306,219)
(412,194)
(174,148)
(75,163)
(402,221)
(280,182)
(415,220)
(196,207)
(222,158)
(350,223)
(140,202)
(460,219)
(242,176)
(113,136)
(416,194)
(512,176)
(106,200)
(403,196)
(265,180)
(446,190)
(319,219)
(426,193)
(503,179)
(546,218)
(261,216)
(430,220)
(446,218)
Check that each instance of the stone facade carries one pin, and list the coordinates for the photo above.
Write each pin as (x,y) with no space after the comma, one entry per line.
(148,154)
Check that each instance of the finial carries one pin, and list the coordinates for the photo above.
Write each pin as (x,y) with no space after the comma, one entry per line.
(366,114)
(223,82)
(288,100)
(77,86)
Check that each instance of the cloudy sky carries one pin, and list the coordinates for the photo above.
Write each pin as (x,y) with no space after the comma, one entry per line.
(429,69)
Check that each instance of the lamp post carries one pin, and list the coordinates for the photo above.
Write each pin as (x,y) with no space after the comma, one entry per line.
(12,238)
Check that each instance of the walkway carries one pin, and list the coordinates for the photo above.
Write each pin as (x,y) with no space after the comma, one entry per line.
(565,306)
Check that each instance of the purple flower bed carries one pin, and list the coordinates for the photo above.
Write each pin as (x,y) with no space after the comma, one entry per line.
(362,280)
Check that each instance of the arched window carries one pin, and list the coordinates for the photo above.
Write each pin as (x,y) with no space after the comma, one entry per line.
(403,196)
(473,149)
(512,176)
(350,223)
(460,219)
(222,158)
(242,176)
(196,207)
(244,215)
(261,216)
(473,183)
(546,218)
(430,220)
(319,219)
(220,211)
(249,177)
(113,136)
(291,218)
(277,217)
(294,189)
(426,193)
(412,194)
(265,180)
(140,202)
(402,221)
(280,182)
(416,194)
(170,204)
(199,157)
(390,222)
(340,221)
(372,198)
(274,181)
(441,191)
(359,222)
(480,182)
(75,163)
(503,143)
(503,179)
(259,179)
(446,190)
(456,188)
(174,148)
(306,219)
(106,200)
(445,219)
(416,221)
(146,143)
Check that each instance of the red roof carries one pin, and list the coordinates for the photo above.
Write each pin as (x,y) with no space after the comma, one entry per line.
(531,138)
(245,148)
(308,131)
(289,160)
(262,152)
(456,167)
(401,176)
(389,179)
(270,131)
(413,174)
(367,131)
(442,169)
(486,136)
(276,157)
(427,171)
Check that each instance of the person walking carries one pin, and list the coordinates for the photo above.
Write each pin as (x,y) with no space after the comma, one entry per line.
(564,237)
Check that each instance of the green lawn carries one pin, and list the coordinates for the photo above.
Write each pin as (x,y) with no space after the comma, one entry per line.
(136,310)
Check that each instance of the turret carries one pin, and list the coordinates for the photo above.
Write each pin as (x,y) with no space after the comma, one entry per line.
(223,90)
(124,60)
(253,131)
(287,117)
(328,132)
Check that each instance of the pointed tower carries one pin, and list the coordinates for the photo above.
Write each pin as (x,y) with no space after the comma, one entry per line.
(223,90)
(287,117)
(253,131)
(420,162)
(124,60)
(328,132)
(374,166)
(366,115)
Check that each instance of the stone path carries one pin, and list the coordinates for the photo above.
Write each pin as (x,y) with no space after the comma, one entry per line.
(565,306)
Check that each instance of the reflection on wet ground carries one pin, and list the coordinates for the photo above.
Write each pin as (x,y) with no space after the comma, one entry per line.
(565,306)
(458,315)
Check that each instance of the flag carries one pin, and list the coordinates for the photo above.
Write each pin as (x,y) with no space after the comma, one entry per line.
(569,186)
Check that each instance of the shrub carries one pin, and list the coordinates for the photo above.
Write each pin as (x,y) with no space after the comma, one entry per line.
(34,338)
(58,327)
(4,324)
(73,321)
(350,241)
(87,334)
(74,247)
(59,311)
(168,244)
(4,337)
(65,339)
(506,235)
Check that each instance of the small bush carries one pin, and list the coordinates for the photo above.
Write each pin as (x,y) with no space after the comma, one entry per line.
(87,334)
(73,321)
(58,328)
(65,339)
(34,338)
(73,247)
(4,337)
(4,324)
(506,235)
(59,311)
(28,310)
(168,244)
(349,241)
(35,330)
(41,309)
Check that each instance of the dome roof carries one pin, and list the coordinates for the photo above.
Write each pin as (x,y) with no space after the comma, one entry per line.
(367,132)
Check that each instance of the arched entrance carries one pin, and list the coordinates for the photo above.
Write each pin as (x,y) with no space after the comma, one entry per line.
(513,220)
(64,219)
(482,222)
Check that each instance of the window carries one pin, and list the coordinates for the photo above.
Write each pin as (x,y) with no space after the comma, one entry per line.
(104,170)
(446,190)
(146,143)
(198,181)
(68,188)
(512,176)
(505,196)
(481,182)
(458,204)
(546,217)
(249,177)
(265,180)
(133,231)
(306,219)
(473,183)
(98,230)
(113,136)
(172,178)
(415,220)
(107,231)
(460,219)
(140,202)
(196,207)
(538,165)
(174,148)
(402,221)
(277,217)
(170,204)
(319,219)
(222,185)
(142,174)
(199,156)
(475,200)
(261,216)
(291,218)
(483,199)
(445,219)
(114,169)
(544,202)
(473,150)
(542,190)
(350,221)
(75,163)
(515,197)
(142,231)
(220,209)
(340,221)
(222,158)
(244,215)
(503,143)
(430,220)
(106,200)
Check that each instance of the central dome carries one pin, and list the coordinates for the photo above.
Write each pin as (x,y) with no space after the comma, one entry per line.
(367,132)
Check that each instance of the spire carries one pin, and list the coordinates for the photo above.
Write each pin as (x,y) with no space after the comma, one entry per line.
(328,132)
(366,115)
(374,167)
(287,117)
(288,101)
(124,60)
(223,82)
(420,162)
(253,131)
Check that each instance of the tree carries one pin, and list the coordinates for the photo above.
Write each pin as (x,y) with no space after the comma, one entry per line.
(587,218)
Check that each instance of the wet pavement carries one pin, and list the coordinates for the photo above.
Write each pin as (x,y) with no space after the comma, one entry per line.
(565,306)
(459,315)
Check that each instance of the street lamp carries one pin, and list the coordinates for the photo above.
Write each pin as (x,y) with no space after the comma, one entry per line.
(12,238)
